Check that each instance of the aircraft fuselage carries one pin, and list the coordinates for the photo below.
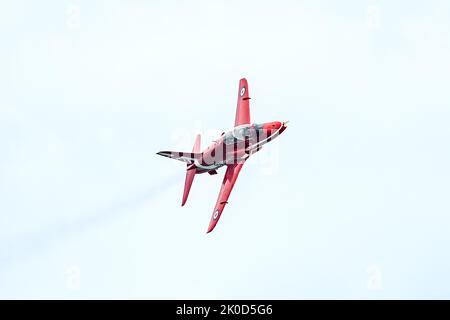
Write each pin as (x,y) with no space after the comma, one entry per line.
(237,145)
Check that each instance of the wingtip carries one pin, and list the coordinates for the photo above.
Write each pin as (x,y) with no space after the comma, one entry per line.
(166,154)
(210,228)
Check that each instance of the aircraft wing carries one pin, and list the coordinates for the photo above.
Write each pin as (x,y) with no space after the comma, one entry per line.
(227,185)
(243,104)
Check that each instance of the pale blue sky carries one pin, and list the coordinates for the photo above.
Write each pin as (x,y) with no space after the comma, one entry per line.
(352,201)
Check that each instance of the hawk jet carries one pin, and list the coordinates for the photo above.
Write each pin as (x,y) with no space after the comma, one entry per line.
(230,150)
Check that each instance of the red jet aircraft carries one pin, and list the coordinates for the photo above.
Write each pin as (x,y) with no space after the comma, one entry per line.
(232,149)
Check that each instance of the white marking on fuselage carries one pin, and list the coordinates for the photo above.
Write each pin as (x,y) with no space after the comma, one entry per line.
(264,141)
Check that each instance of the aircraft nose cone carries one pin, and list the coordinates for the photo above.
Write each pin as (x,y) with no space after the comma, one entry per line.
(273,125)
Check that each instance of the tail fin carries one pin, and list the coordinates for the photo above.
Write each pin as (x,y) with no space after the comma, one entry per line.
(190,171)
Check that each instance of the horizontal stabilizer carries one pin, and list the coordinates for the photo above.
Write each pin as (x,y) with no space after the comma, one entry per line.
(188,157)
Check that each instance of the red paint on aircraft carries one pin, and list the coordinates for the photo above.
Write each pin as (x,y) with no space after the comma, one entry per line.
(231,149)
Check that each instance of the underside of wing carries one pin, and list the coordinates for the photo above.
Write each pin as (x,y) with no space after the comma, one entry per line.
(227,185)
(243,104)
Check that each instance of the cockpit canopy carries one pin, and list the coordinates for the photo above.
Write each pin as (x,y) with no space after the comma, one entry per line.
(242,133)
